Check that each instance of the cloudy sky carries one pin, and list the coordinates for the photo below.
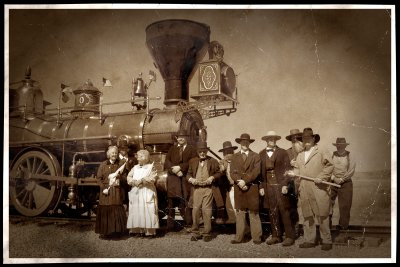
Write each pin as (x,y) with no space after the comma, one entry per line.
(328,69)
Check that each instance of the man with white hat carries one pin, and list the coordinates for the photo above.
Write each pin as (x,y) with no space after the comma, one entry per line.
(274,187)
(297,146)
(344,168)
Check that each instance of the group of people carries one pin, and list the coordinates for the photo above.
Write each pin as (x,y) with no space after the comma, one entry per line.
(131,181)
(298,186)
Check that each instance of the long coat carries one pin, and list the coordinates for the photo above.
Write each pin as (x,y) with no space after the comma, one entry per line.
(314,198)
(281,165)
(176,185)
(248,171)
(213,170)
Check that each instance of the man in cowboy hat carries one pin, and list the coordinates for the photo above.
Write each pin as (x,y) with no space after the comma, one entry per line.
(226,181)
(344,168)
(274,187)
(314,198)
(244,171)
(203,170)
(178,189)
(297,146)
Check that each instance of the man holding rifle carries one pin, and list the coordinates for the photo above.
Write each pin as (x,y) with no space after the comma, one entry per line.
(314,167)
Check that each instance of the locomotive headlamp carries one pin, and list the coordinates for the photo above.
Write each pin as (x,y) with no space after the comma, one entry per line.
(217,81)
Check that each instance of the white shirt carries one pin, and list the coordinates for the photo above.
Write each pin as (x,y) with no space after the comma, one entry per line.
(308,153)
(245,152)
(269,153)
(183,147)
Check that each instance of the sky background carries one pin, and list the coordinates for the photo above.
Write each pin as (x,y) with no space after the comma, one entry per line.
(328,69)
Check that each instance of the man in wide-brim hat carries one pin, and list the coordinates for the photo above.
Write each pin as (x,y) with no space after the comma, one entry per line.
(274,187)
(244,137)
(244,170)
(344,167)
(314,195)
(226,182)
(295,137)
(294,134)
(227,147)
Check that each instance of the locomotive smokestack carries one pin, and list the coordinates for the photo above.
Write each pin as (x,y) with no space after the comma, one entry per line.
(176,46)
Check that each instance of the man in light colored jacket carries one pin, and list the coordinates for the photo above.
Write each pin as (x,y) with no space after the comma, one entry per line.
(314,198)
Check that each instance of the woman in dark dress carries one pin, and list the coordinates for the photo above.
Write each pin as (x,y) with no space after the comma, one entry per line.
(111,216)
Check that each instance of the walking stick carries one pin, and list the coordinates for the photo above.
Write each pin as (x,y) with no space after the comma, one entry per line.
(313,179)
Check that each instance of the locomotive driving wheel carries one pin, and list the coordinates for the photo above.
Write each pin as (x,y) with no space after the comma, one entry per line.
(32,197)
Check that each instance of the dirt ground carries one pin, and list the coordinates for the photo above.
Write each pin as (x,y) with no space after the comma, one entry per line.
(72,242)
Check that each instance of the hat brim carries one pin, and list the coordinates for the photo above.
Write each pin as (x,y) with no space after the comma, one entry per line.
(335,144)
(289,137)
(238,140)
(277,137)
(226,148)
(316,137)
(183,135)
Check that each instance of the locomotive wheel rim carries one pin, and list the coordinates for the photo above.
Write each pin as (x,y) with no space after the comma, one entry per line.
(32,197)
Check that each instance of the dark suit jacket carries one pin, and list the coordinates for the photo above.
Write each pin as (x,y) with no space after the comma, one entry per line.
(281,164)
(213,170)
(248,171)
(175,186)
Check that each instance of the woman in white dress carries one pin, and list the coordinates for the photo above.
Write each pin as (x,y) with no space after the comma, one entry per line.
(143,210)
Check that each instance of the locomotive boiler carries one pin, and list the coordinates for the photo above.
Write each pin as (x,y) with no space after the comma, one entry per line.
(54,156)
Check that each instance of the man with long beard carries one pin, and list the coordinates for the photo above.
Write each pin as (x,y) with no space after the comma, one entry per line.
(297,146)
(314,198)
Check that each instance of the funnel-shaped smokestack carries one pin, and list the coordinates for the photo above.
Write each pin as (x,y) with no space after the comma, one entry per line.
(176,46)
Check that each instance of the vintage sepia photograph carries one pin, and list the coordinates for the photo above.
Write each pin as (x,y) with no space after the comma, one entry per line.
(199,133)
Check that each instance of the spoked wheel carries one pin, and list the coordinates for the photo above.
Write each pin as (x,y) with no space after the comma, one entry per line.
(32,197)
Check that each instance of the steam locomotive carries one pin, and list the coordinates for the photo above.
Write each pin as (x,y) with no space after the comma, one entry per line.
(54,156)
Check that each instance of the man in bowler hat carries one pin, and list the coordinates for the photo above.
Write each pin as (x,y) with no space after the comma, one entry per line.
(178,188)
(203,171)
(244,170)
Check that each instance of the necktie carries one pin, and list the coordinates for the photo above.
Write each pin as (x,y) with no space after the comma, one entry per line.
(180,153)
(270,150)
(244,156)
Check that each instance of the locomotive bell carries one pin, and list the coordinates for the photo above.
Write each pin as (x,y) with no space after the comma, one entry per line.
(87,99)
(139,87)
